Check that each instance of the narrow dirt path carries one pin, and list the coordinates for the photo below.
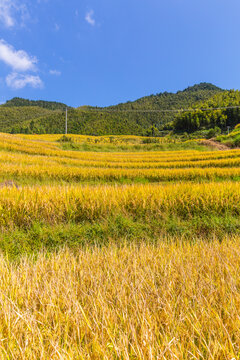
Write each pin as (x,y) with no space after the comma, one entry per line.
(214,144)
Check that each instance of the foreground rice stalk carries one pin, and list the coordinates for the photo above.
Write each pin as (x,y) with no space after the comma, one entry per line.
(166,301)
(59,204)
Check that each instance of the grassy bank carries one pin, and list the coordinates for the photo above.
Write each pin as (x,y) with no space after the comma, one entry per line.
(152,146)
(49,218)
(118,230)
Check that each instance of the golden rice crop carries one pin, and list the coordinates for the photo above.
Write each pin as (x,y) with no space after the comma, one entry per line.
(112,139)
(77,174)
(7,157)
(60,203)
(56,204)
(39,161)
(169,301)
(20,145)
(44,161)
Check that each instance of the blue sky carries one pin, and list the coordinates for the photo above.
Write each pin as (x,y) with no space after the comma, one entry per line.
(103,52)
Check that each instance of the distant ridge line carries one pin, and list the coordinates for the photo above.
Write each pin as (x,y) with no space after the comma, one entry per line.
(157,111)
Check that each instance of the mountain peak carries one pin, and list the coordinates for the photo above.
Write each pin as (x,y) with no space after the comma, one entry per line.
(202,86)
(19,102)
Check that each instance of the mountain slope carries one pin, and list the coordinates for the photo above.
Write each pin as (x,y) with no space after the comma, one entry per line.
(20,118)
(101,121)
(196,120)
(50,105)
(165,100)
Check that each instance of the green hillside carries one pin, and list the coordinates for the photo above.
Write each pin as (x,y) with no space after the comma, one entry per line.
(21,118)
(167,101)
(50,105)
(197,120)
(232,139)
(26,116)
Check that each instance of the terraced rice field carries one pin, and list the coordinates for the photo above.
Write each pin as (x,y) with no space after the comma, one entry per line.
(118,255)
(35,161)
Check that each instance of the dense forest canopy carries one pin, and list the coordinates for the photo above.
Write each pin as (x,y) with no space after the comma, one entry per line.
(166,100)
(199,119)
(50,105)
(27,116)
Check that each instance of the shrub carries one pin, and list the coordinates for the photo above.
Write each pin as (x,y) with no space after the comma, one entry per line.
(65,138)
(213,132)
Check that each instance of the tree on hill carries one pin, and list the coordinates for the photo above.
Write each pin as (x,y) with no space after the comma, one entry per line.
(50,105)
(205,119)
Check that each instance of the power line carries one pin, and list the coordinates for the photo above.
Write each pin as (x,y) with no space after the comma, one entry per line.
(160,111)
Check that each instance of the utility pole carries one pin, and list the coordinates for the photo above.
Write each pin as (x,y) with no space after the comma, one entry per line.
(66,123)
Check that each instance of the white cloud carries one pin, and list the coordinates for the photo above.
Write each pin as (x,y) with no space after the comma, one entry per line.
(19,81)
(55,72)
(18,59)
(5,13)
(56,27)
(9,9)
(89,18)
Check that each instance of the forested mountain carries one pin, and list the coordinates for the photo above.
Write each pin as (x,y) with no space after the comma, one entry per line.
(21,118)
(167,101)
(50,105)
(26,116)
(199,119)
